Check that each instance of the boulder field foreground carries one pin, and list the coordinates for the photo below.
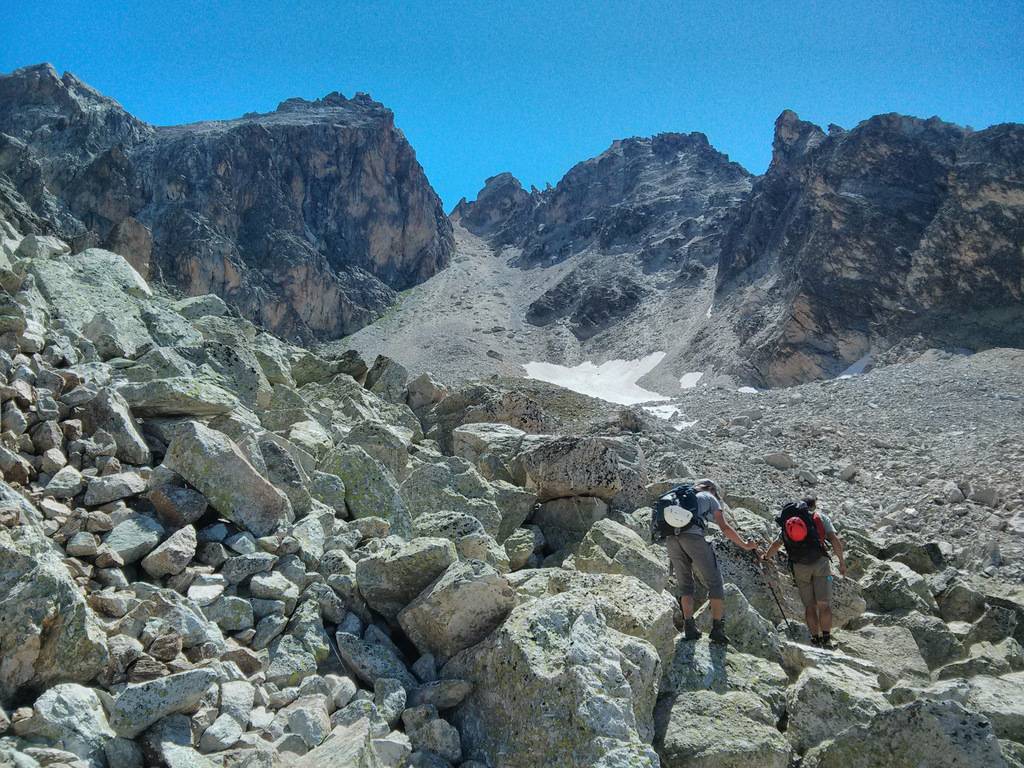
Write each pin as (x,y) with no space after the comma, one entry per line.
(221,549)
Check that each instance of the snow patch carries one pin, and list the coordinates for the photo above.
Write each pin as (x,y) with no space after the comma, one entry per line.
(689,380)
(662,411)
(684,425)
(614,381)
(708,313)
(747,390)
(857,368)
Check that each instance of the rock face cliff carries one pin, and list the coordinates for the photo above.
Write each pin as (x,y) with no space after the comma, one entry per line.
(643,209)
(855,240)
(307,219)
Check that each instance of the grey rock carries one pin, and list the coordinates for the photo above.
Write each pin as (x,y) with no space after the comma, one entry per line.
(65,484)
(780,461)
(139,706)
(71,717)
(464,605)
(213,463)
(826,701)
(370,489)
(177,397)
(173,554)
(605,680)
(134,538)
(232,614)
(224,732)
(177,506)
(705,728)
(370,661)
(238,569)
(442,694)
(565,521)
(609,547)
(391,581)
(109,411)
(922,733)
(105,489)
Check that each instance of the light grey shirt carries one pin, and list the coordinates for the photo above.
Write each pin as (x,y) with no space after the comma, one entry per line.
(707,505)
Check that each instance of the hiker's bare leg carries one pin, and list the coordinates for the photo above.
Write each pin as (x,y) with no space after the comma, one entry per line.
(717,608)
(811,617)
(686,603)
(825,616)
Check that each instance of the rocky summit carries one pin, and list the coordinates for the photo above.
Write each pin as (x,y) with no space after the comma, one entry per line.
(220,547)
(307,219)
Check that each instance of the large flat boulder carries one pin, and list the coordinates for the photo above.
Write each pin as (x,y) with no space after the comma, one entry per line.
(464,605)
(582,466)
(555,685)
(893,649)
(997,698)
(610,547)
(211,462)
(937,734)
(177,396)
(139,706)
(704,729)
(826,701)
(627,604)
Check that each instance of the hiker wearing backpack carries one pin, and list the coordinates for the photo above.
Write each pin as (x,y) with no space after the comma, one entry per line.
(681,517)
(806,533)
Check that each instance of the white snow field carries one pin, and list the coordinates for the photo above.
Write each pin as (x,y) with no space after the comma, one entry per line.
(689,380)
(614,381)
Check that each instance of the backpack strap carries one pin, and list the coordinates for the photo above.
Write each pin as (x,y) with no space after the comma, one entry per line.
(819,526)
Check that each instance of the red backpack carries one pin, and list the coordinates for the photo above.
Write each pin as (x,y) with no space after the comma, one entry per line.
(803,533)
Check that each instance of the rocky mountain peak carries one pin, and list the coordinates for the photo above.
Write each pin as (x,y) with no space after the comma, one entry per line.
(307,219)
(793,137)
(64,116)
(501,199)
(637,191)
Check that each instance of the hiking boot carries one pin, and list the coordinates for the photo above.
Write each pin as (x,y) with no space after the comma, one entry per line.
(816,641)
(718,635)
(826,641)
(690,631)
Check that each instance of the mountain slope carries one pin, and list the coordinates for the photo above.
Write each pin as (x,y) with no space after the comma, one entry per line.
(899,233)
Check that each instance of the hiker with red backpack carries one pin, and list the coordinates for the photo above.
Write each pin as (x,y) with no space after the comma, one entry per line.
(806,533)
(680,518)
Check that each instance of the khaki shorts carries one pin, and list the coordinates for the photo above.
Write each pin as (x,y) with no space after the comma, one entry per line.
(691,555)
(814,580)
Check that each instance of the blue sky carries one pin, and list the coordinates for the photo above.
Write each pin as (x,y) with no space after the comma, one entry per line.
(534,87)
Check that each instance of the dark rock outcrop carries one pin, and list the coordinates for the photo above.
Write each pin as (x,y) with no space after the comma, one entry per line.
(637,193)
(644,209)
(307,219)
(855,240)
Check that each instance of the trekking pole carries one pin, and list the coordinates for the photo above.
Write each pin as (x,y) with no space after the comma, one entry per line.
(767,581)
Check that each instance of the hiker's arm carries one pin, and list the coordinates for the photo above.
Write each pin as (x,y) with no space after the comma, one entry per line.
(775,547)
(837,546)
(730,533)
